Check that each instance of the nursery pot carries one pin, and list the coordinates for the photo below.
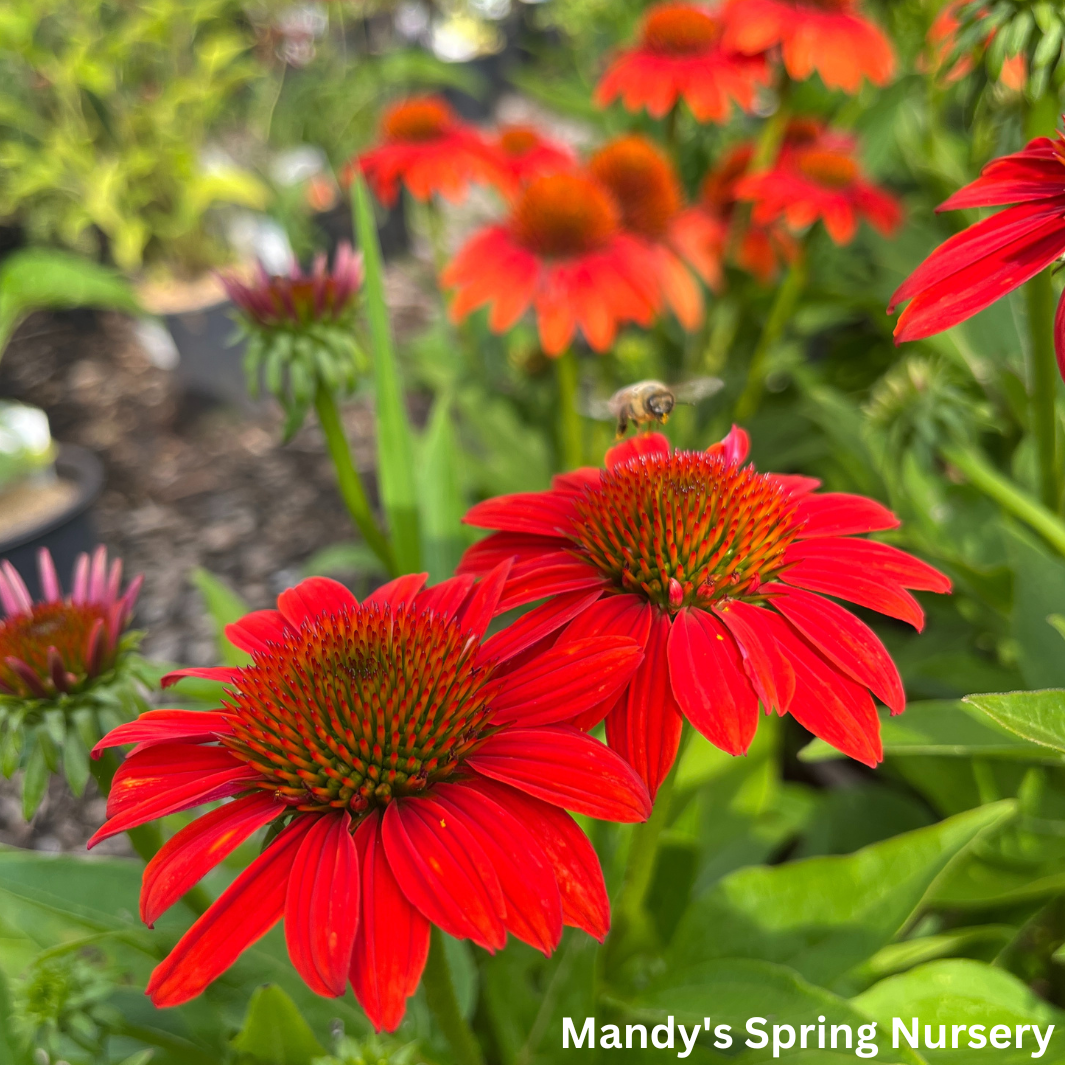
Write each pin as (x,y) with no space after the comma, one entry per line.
(60,520)
(210,355)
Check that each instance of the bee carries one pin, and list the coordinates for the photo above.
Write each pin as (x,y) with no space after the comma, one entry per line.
(647,402)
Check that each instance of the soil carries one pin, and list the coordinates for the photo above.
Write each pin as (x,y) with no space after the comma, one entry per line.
(187,485)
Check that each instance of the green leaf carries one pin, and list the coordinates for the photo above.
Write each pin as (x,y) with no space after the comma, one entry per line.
(1035,716)
(225,607)
(35,777)
(824,916)
(38,279)
(440,495)
(275,1032)
(395,444)
(1038,591)
(75,761)
(939,727)
(350,557)
(962,991)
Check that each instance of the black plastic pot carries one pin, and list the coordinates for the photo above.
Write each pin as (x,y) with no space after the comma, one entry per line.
(66,534)
(335,226)
(211,362)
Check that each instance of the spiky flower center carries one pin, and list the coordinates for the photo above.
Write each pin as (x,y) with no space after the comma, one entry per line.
(518,140)
(416,121)
(69,628)
(643,183)
(828,168)
(680,30)
(686,530)
(361,706)
(564,214)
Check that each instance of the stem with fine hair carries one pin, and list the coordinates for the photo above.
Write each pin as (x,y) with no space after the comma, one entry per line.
(1042,384)
(783,307)
(570,430)
(444,1004)
(348,479)
(982,475)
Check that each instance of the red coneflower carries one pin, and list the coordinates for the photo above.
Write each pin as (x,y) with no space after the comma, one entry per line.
(680,56)
(427,148)
(721,574)
(61,645)
(522,153)
(419,772)
(816,175)
(563,252)
(991,258)
(829,36)
(647,190)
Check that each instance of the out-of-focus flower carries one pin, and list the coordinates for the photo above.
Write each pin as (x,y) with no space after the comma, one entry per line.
(522,153)
(646,188)
(300,331)
(426,148)
(721,574)
(957,39)
(563,252)
(991,258)
(67,669)
(680,56)
(817,176)
(830,37)
(414,774)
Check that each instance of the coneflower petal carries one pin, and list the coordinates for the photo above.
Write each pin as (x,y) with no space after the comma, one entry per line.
(445,598)
(312,598)
(539,513)
(168,726)
(533,626)
(50,586)
(552,574)
(483,604)
(257,630)
(766,667)
(13,592)
(399,591)
(490,551)
(840,514)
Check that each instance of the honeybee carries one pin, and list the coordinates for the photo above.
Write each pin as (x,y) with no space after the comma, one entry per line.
(648,402)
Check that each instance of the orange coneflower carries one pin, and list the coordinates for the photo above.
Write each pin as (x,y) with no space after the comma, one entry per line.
(522,153)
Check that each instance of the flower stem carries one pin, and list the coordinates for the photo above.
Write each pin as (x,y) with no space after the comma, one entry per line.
(440,994)
(348,479)
(570,430)
(783,307)
(982,475)
(1042,384)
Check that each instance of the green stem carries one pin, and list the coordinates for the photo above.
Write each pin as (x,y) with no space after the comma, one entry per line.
(437,239)
(1042,384)
(348,479)
(982,475)
(570,430)
(783,308)
(440,995)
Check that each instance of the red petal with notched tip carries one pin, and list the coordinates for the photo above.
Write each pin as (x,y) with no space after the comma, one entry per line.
(645,725)
(314,597)
(841,514)
(844,640)
(573,859)
(322,905)
(563,766)
(706,672)
(635,447)
(566,680)
(244,913)
(446,597)
(1034,173)
(444,871)
(533,905)
(827,702)
(399,591)
(392,942)
(168,726)
(483,603)
(539,513)
(551,574)
(189,855)
(766,666)
(490,551)
(257,630)
(877,559)
(533,626)
(735,447)
(167,778)
(223,674)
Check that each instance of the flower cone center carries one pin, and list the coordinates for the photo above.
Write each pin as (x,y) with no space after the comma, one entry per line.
(417,120)
(828,168)
(359,707)
(680,30)
(564,214)
(643,183)
(518,140)
(720,531)
(65,626)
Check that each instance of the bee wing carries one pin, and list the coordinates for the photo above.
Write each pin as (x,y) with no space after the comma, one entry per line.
(599,409)
(697,388)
